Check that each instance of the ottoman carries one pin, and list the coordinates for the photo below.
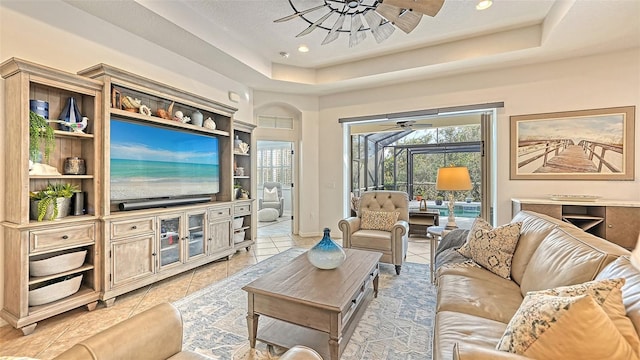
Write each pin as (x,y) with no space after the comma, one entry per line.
(267,214)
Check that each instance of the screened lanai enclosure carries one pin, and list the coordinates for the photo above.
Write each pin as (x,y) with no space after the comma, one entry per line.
(408,160)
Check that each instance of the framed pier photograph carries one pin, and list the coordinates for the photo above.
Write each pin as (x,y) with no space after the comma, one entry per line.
(593,144)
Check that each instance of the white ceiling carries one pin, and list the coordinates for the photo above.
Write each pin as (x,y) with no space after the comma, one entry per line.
(239,39)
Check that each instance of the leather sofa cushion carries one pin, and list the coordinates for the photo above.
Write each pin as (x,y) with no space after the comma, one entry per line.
(371,239)
(453,327)
(567,257)
(480,293)
(535,227)
(155,333)
(622,268)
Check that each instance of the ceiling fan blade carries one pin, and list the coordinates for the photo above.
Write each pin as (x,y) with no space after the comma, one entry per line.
(379,30)
(405,20)
(427,7)
(293,16)
(315,24)
(333,34)
(356,35)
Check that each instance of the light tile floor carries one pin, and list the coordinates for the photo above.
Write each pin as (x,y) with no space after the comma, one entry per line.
(54,335)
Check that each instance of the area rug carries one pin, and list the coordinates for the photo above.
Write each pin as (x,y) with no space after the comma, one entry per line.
(398,324)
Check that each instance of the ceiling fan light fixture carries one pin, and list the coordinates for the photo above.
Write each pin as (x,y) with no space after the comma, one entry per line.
(381,16)
(484,4)
(357,34)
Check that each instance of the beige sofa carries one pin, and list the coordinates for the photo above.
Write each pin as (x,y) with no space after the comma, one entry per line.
(153,334)
(474,305)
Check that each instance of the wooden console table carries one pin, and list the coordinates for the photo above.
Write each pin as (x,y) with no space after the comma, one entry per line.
(613,220)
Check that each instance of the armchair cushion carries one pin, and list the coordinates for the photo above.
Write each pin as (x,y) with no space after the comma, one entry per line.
(270,195)
(379,220)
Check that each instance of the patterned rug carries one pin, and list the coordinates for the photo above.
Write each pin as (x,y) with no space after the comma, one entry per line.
(396,325)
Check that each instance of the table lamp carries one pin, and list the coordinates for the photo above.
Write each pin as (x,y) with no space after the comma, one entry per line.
(453,178)
(635,255)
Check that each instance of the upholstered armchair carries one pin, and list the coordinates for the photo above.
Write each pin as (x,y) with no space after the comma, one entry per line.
(382,225)
(272,197)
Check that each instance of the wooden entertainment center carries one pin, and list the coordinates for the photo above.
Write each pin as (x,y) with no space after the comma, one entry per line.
(125,249)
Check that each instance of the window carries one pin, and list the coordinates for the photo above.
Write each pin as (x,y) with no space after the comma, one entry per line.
(274,163)
(275,122)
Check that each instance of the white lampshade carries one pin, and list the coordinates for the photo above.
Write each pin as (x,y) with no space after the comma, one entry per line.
(635,255)
(453,178)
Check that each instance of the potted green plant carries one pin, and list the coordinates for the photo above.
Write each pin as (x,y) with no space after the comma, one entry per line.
(41,137)
(52,202)
(439,200)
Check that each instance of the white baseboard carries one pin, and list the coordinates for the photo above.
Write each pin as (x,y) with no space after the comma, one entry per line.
(312,234)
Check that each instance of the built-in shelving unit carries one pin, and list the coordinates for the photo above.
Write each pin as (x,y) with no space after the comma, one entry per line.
(143,246)
(244,207)
(124,248)
(27,240)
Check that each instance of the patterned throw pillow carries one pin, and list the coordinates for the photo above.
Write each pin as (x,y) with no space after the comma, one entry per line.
(378,220)
(564,327)
(492,248)
(608,294)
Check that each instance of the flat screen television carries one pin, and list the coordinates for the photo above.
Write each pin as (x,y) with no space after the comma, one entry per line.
(149,161)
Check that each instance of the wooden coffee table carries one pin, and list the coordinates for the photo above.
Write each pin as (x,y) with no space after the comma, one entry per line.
(313,307)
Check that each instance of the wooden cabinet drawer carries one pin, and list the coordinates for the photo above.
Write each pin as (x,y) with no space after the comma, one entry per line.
(61,237)
(242,209)
(125,228)
(219,213)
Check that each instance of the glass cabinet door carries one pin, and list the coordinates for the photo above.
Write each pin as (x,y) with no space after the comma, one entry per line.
(169,240)
(195,235)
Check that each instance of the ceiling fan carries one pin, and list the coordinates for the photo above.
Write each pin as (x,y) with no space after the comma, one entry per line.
(407,125)
(382,17)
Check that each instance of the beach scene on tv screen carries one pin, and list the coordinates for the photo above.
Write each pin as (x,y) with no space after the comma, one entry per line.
(153,162)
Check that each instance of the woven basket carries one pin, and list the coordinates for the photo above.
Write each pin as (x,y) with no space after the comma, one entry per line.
(237,223)
(57,264)
(238,237)
(55,291)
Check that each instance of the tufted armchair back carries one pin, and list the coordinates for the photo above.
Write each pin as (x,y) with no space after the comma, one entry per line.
(386,200)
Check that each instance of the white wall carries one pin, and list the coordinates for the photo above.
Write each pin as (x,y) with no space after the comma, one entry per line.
(58,35)
(575,84)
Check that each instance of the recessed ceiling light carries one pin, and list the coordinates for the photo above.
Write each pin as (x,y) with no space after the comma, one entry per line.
(303,48)
(284,54)
(484,4)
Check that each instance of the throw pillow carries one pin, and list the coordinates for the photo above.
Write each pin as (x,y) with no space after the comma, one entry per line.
(492,248)
(608,294)
(564,327)
(378,220)
(270,195)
